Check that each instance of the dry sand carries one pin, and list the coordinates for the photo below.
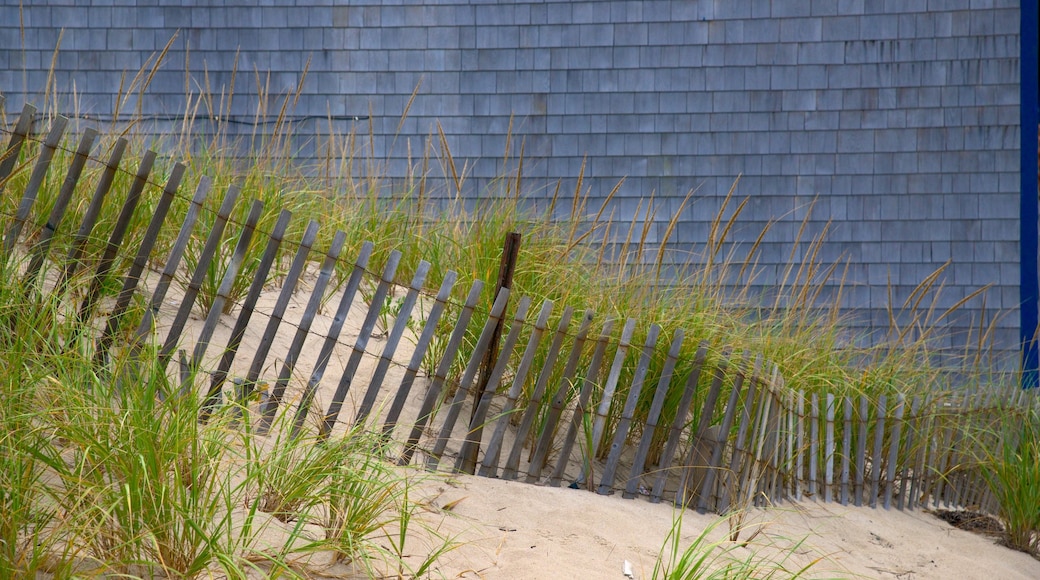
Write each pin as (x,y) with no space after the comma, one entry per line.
(514,530)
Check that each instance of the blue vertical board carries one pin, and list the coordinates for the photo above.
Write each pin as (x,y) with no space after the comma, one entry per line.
(1029,215)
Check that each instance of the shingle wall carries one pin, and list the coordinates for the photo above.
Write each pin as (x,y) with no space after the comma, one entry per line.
(900,117)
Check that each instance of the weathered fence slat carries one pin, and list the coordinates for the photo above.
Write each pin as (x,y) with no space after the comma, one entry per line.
(875,457)
(242,389)
(216,309)
(489,465)
(679,423)
(270,407)
(43,162)
(693,463)
(924,437)
(512,465)
(43,242)
(606,482)
(656,405)
(14,144)
(404,314)
(846,449)
(582,411)
(440,374)
(814,443)
(709,499)
(133,276)
(861,453)
(358,350)
(466,462)
(828,451)
(419,354)
(893,450)
(339,318)
(800,453)
(115,240)
(739,458)
(144,328)
(790,452)
(600,424)
(559,399)
(774,490)
(756,472)
(209,250)
(913,430)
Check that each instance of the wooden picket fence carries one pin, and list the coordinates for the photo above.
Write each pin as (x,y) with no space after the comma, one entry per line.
(555,413)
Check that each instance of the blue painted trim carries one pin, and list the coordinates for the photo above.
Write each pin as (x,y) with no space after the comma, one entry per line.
(1029,216)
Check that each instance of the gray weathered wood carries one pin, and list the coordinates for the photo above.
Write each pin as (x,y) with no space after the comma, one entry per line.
(687,487)
(558,400)
(489,465)
(708,500)
(738,458)
(209,250)
(32,188)
(133,277)
(614,375)
(582,409)
(274,242)
(440,374)
(679,423)
(404,314)
(466,462)
(606,482)
(115,239)
(861,451)
(339,318)
(173,261)
(14,145)
(39,249)
(814,443)
(828,451)
(846,449)
(800,449)
(512,465)
(875,457)
(224,289)
(653,415)
(421,346)
(80,238)
(357,351)
(893,450)
(270,407)
(924,436)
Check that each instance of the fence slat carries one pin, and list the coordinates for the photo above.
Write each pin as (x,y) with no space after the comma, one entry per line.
(606,482)
(846,449)
(709,499)
(861,453)
(512,465)
(43,242)
(663,386)
(559,398)
(688,483)
(440,375)
(924,438)
(893,450)
(679,423)
(404,314)
(489,465)
(421,346)
(79,239)
(270,407)
(32,188)
(814,443)
(828,451)
(133,277)
(14,144)
(600,424)
(739,454)
(467,459)
(498,310)
(209,250)
(358,350)
(913,427)
(875,457)
(115,240)
(331,339)
(243,389)
(582,411)
(144,329)
(224,289)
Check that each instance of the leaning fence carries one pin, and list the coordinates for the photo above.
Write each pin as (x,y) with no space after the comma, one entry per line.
(569,403)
